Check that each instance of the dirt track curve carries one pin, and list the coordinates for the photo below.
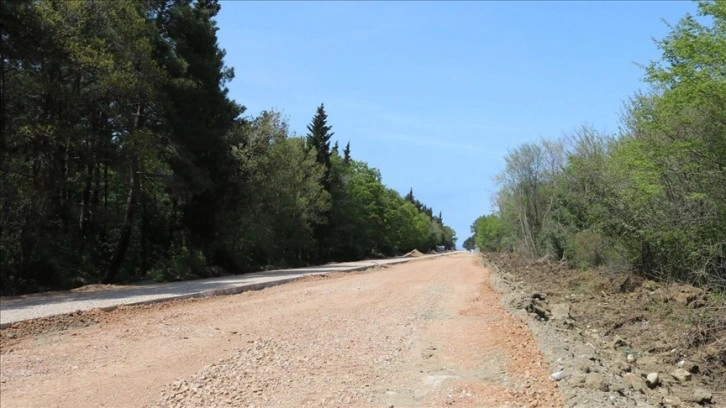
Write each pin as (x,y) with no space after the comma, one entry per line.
(429,333)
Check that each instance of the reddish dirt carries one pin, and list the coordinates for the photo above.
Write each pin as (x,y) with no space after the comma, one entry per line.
(428,333)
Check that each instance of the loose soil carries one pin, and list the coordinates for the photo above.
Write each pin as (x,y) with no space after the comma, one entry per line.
(426,333)
(414,254)
(605,332)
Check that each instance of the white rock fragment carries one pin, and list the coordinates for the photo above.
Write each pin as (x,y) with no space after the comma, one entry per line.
(557,375)
(652,380)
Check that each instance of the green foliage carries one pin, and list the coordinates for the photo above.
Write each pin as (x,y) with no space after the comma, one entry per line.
(372,220)
(181,263)
(587,248)
(122,158)
(318,140)
(652,198)
(285,197)
(526,199)
(470,243)
(488,233)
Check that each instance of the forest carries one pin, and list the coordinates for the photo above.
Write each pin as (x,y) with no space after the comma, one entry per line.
(650,198)
(122,158)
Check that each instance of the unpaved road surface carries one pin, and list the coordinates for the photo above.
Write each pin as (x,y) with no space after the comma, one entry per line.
(34,306)
(427,333)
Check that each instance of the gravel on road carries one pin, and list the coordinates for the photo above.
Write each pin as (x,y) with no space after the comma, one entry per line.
(428,333)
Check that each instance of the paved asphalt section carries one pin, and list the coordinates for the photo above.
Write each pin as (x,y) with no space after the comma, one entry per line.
(58,303)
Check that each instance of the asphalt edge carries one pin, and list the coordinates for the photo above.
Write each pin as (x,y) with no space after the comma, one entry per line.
(237,289)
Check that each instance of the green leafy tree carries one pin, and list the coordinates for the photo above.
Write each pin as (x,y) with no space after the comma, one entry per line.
(488,231)
(677,150)
(123,158)
(285,197)
(470,243)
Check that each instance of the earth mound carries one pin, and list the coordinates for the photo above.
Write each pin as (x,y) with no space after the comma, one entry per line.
(414,254)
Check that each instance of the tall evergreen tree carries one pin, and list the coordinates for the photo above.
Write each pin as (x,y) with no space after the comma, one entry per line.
(318,139)
(409,197)
(200,116)
(346,154)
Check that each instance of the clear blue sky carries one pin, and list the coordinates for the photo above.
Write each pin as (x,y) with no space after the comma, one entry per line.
(435,93)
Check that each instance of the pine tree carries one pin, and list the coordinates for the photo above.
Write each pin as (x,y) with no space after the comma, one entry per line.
(318,139)
(346,154)
(199,114)
(409,197)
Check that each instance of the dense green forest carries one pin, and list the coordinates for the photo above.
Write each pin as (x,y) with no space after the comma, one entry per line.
(651,198)
(123,158)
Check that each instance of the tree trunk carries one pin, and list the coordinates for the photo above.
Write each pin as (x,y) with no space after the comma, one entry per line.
(105,176)
(3,90)
(84,216)
(96,179)
(144,229)
(134,188)
(125,236)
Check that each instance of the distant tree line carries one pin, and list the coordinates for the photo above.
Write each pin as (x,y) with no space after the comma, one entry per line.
(651,198)
(123,158)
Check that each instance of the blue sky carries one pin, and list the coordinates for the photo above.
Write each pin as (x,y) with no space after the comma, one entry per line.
(434,94)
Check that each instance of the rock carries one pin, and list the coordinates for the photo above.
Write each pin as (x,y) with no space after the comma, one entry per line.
(619,342)
(681,375)
(538,309)
(561,311)
(701,396)
(634,381)
(596,381)
(621,365)
(672,401)
(631,358)
(557,375)
(689,366)
(652,380)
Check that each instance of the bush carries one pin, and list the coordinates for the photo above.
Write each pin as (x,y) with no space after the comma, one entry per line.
(182,263)
(586,249)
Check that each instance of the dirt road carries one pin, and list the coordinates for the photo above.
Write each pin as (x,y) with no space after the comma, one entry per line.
(428,333)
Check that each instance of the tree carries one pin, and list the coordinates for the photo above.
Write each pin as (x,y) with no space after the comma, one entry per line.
(318,140)
(346,154)
(652,198)
(409,197)
(527,195)
(470,243)
(199,115)
(78,96)
(284,197)
(122,157)
(488,231)
(677,149)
